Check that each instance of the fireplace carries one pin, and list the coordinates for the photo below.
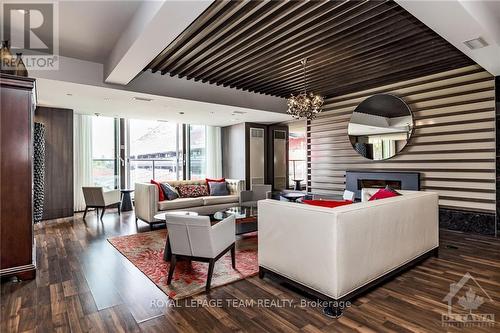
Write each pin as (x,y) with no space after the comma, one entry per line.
(356,180)
(379,183)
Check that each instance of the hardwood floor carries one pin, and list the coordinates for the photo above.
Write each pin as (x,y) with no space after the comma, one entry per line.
(84,285)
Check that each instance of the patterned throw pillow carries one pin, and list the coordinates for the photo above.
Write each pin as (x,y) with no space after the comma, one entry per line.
(192,191)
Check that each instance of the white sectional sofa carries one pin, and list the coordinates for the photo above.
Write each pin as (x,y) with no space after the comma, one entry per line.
(338,253)
(147,204)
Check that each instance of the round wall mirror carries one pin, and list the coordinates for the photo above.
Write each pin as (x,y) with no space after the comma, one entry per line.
(380,127)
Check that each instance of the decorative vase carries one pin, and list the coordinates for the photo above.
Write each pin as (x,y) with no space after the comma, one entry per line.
(20,68)
(38,171)
(7,64)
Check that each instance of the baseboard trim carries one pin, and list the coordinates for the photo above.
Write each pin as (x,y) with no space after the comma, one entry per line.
(475,222)
(24,272)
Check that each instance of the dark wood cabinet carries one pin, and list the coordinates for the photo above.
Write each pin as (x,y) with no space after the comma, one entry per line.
(17,102)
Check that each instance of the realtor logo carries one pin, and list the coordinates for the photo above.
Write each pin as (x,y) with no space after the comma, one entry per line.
(32,29)
(464,299)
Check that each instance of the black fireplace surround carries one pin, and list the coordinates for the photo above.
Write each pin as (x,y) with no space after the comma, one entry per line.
(356,180)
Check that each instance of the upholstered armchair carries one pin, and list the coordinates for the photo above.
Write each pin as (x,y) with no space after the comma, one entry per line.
(194,238)
(258,192)
(96,197)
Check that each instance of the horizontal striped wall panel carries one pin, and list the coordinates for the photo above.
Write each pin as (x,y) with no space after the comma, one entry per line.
(453,144)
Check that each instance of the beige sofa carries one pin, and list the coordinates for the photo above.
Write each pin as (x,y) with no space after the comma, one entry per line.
(337,253)
(147,204)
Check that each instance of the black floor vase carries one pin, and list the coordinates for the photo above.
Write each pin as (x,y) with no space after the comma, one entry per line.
(38,171)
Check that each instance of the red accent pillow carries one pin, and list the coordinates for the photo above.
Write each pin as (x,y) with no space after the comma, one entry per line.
(384,193)
(219,180)
(327,203)
(161,195)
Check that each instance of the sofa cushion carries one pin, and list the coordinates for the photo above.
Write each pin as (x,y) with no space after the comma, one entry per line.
(169,191)
(192,191)
(218,188)
(222,199)
(180,203)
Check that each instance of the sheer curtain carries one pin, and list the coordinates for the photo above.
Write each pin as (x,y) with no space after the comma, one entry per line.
(213,152)
(82,157)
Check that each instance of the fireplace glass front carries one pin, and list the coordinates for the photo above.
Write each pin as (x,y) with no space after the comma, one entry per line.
(378,183)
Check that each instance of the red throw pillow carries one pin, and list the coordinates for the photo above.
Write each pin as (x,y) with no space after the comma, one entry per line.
(384,193)
(219,180)
(161,195)
(327,203)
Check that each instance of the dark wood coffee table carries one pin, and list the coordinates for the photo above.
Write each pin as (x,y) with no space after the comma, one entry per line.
(245,218)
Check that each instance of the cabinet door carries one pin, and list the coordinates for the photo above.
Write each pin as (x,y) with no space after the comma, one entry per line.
(257,156)
(16,177)
(280,153)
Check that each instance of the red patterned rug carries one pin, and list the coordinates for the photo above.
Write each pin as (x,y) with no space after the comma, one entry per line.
(145,251)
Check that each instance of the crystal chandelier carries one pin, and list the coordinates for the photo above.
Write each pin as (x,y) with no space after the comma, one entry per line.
(305,105)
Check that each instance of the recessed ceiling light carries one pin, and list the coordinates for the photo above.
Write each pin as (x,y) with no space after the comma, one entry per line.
(143,99)
(238,112)
(181,112)
(69,94)
(211,112)
(476,43)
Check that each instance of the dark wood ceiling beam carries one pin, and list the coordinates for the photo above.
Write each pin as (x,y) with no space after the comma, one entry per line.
(329,87)
(256,20)
(288,61)
(342,49)
(329,82)
(402,46)
(248,13)
(407,73)
(205,18)
(235,12)
(269,39)
(295,12)
(337,83)
(288,32)
(296,37)
(359,78)
(356,55)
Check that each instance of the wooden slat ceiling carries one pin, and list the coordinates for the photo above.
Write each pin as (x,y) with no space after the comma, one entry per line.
(350,45)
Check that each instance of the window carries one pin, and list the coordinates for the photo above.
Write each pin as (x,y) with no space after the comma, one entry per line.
(297,152)
(155,151)
(197,152)
(104,170)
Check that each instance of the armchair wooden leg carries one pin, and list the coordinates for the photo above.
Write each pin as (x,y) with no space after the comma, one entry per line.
(211,265)
(233,256)
(103,210)
(173,262)
(119,206)
(85,213)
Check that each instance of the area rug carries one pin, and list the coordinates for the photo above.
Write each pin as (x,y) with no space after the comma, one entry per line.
(145,251)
